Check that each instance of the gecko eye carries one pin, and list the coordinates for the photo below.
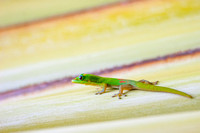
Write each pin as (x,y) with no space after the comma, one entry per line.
(80,77)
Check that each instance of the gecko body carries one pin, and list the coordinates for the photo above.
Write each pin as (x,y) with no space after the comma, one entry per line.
(123,84)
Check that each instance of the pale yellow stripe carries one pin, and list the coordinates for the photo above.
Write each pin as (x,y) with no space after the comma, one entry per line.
(14,12)
(179,123)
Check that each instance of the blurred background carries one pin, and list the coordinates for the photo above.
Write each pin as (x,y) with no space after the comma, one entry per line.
(46,43)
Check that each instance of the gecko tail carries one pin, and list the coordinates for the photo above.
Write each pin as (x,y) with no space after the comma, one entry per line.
(148,87)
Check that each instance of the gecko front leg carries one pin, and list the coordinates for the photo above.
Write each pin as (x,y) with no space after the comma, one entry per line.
(104,86)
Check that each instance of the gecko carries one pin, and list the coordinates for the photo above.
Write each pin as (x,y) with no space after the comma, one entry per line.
(123,84)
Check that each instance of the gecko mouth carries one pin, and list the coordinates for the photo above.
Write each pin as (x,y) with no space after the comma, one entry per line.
(76,81)
(83,82)
(79,81)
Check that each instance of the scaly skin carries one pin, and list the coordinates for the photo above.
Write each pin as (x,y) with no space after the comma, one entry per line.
(123,84)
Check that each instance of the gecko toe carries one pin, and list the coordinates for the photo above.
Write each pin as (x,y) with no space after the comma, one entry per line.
(119,95)
(114,95)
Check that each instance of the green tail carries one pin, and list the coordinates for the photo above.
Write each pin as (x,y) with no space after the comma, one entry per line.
(148,87)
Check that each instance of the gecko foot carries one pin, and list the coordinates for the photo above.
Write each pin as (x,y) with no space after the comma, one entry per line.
(155,83)
(148,82)
(119,95)
(99,93)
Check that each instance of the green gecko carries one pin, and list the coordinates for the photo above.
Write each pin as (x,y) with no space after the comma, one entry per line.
(123,84)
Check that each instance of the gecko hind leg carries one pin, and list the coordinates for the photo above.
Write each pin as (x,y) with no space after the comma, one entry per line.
(121,89)
(148,82)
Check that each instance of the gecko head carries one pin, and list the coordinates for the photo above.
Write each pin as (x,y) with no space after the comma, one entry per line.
(79,79)
(87,79)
